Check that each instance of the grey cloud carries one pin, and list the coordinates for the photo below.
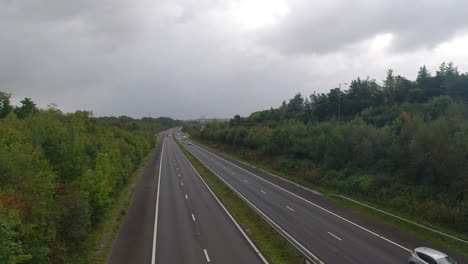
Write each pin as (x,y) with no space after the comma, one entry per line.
(313,27)
(134,58)
(178,58)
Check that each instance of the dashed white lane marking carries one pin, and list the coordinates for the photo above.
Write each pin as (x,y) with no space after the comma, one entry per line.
(177,168)
(262,191)
(319,207)
(186,197)
(334,236)
(246,181)
(290,208)
(206,255)
(193,217)
(182,183)
(178,175)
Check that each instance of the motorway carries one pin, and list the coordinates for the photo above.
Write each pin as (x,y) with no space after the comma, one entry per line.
(330,232)
(188,224)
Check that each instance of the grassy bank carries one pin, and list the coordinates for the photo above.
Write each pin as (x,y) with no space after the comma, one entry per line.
(96,248)
(402,225)
(272,245)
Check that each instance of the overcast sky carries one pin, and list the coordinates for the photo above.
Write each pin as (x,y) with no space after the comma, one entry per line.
(215,58)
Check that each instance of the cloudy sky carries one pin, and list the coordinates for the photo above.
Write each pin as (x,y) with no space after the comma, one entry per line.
(215,58)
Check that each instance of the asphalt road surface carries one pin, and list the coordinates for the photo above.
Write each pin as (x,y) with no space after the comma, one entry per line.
(334,234)
(185,224)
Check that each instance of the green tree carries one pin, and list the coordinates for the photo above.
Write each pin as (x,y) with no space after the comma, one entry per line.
(5,106)
(11,248)
(27,108)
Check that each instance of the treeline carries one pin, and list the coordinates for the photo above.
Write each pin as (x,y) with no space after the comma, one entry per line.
(59,175)
(403,144)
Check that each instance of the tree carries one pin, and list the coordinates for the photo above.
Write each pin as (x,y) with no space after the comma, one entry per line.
(396,88)
(5,106)
(423,76)
(320,106)
(236,121)
(296,104)
(11,248)
(361,95)
(27,108)
(432,86)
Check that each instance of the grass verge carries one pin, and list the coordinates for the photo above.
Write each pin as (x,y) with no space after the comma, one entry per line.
(272,245)
(402,225)
(414,230)
(96,247)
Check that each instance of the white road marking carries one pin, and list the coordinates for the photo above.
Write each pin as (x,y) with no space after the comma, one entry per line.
(181,183)
(246,181)
(265,261)
(153,255)
(177,168)
(193,217)
(178,175)
(307,201)
(275,225)
(186,197)
(334,236)
(290,208)
(206,255)
(263,191)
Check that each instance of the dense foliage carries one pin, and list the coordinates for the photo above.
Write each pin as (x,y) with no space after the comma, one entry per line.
(403,143)
(59,175)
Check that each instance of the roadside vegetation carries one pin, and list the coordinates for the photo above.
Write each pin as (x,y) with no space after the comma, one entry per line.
(98,244)
(272,245)
(60,175)
(402,145)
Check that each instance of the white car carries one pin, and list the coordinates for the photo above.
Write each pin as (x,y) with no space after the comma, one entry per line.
(424,255)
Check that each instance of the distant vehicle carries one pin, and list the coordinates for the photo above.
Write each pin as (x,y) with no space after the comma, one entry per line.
(189,143)
(424,255)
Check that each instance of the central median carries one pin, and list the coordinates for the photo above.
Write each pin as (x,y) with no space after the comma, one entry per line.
(272,245)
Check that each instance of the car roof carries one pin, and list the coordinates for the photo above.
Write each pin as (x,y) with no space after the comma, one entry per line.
(431,252)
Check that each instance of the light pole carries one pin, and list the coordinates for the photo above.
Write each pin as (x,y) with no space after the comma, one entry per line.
(339,101)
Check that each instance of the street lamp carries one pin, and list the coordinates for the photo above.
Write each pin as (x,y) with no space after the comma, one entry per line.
(339,101)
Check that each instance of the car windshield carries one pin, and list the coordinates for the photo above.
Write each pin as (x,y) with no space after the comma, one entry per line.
(446,260)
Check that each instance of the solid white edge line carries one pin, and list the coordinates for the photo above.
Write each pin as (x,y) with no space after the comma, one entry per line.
(282,232)
(334,236)
(229,214)
(206,255)
(318,206)
(153,255)
(401,218)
